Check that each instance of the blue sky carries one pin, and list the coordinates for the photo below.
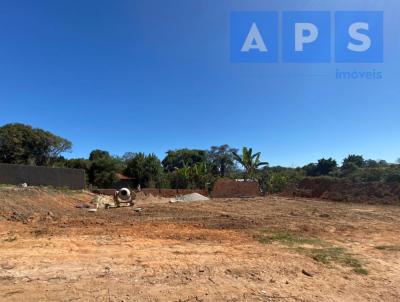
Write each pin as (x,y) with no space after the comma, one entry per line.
(156,75)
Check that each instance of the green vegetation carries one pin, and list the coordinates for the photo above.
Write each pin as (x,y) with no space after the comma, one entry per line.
(103,168)
(251,162)
(222,160)
(145,169)
(286,238)
(193,168)
(334,255)
(323,167)
(22,144)
(320,251)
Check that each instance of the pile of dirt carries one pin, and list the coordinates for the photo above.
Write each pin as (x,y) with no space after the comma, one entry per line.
(337,189)
(26,204)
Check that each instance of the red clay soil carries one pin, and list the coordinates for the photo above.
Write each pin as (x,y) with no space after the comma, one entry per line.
(258,249)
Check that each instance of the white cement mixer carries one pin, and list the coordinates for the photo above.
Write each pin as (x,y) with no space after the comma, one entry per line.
(124,196)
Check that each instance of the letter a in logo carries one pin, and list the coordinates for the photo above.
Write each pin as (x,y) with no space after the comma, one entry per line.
(254,40)
(254,37)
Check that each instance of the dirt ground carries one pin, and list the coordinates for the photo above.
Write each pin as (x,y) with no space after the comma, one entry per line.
(262,249)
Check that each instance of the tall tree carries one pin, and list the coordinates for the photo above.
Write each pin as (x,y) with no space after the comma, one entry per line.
(103,169)
(177,159)
(22,144)
(353,159)
(251,162)
(145,169)
(222,158)
(323,167)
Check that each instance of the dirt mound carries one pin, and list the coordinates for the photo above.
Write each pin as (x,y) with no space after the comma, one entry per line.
(25,204)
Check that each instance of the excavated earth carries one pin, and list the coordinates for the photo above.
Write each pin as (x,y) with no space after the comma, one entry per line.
(261,249)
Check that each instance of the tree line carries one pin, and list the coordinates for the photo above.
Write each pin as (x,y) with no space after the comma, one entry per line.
(182,168)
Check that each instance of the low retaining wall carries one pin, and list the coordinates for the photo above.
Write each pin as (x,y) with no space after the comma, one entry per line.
(42,176)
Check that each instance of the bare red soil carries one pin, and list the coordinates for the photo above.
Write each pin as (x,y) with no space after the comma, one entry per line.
(260,249)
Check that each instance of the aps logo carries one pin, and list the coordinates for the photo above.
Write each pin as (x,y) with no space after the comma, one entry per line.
(307,37)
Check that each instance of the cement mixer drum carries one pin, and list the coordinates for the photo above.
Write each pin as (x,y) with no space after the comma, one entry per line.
(124,194)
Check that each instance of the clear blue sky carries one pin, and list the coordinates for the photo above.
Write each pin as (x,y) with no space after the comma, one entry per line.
(154,75)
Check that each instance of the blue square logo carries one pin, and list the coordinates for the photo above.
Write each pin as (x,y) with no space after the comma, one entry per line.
(254,37)
(359,37)
(306,37)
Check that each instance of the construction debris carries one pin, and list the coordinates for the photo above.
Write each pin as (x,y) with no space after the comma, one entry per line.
(189,197)
(103,201)
(83,206)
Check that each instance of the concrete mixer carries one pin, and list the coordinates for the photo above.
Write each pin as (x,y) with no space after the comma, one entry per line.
(124,196)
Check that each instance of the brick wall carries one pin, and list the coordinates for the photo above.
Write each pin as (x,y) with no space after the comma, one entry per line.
(229,188)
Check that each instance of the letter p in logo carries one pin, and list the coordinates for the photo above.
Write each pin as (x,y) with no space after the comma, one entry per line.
(306,37)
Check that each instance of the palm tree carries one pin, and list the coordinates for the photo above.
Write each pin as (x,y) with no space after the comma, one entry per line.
(251,162)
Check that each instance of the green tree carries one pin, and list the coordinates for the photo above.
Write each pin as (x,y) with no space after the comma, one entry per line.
(145,169)
(78,163)
(353,159)
(201,176)
(179,158)
(323,167)
(103,169)
(180,178)
(251,162)
(22,144)
(98,155)
(222,158)
(276,179)
(370,163)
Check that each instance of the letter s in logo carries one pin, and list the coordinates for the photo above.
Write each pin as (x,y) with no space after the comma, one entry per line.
(356,35)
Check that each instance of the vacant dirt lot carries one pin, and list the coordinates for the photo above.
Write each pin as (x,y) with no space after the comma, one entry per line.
(272,249)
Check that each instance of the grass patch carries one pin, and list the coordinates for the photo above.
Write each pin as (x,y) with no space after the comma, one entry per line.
(360,271)
(331,255)
(323,252)
(390,248)
(286,238)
